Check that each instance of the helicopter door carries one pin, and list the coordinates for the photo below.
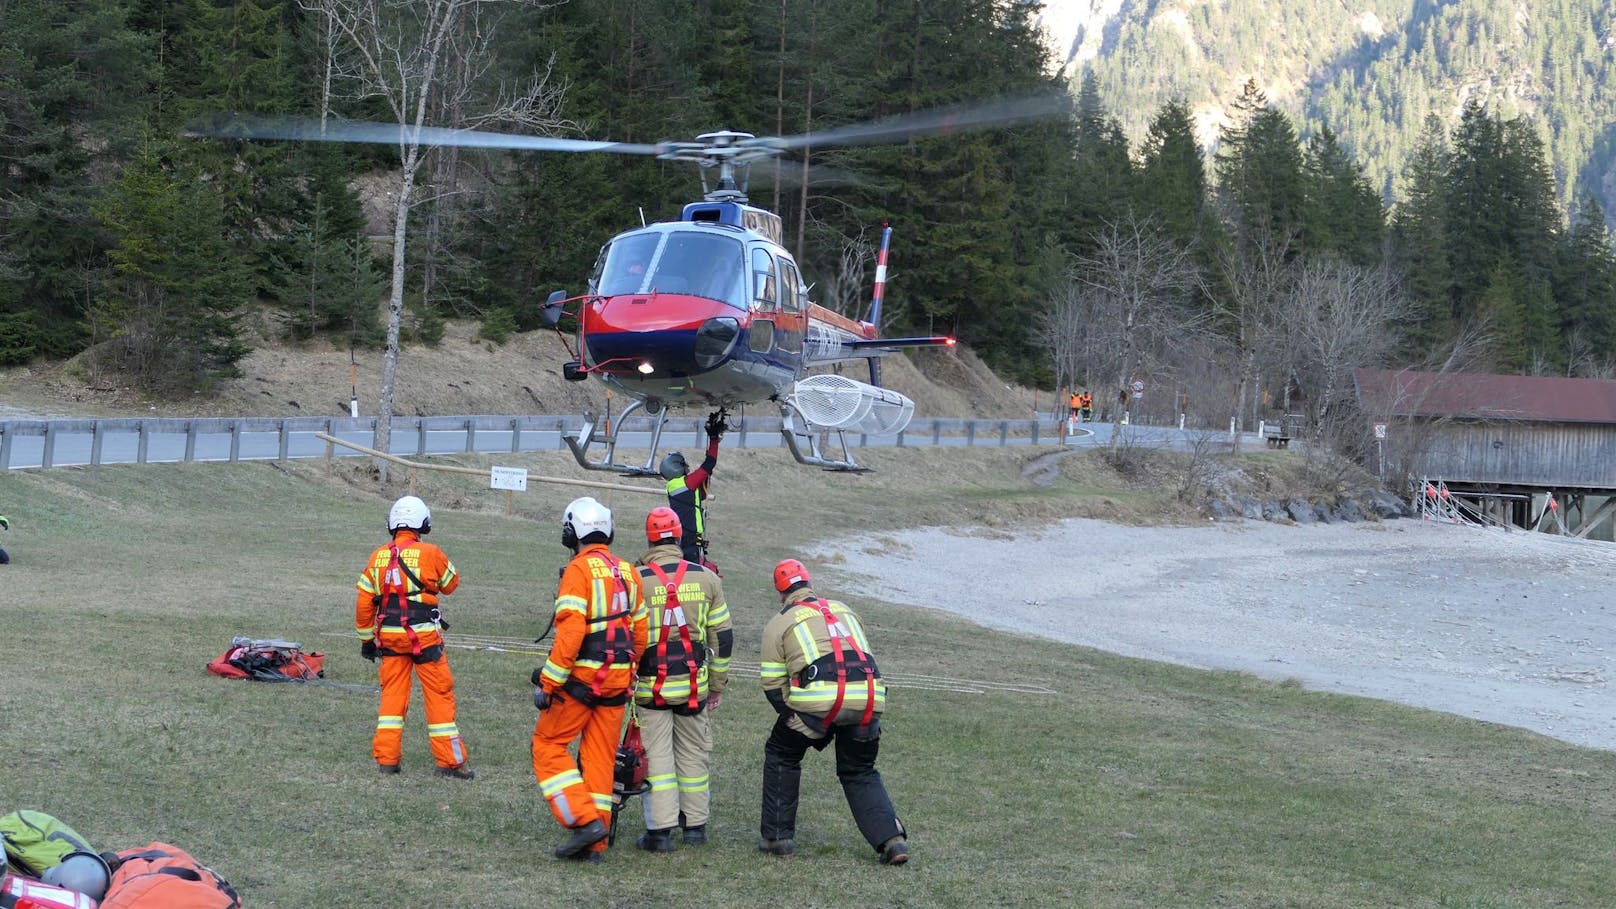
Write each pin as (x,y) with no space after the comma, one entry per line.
(792,324)
(765,297)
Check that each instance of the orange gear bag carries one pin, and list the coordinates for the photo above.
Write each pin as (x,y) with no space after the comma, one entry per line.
(162,876)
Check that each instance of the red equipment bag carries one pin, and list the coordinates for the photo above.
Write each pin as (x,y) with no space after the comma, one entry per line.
(268,661)
(18,892)
(161,876)
(628,778)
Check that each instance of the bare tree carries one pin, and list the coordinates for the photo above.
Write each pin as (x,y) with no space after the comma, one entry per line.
(1254,277)
(1135,288)
(427,60)
(1338,318)
(844,293)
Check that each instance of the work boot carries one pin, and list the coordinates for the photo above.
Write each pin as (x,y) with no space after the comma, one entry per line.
(582,838)
(656,840)
(778,847)
(588,857)
(895,851)
(387,768)
(458,771)
(696,836)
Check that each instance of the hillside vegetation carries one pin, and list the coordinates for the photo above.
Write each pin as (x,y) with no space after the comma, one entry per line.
(1374,71)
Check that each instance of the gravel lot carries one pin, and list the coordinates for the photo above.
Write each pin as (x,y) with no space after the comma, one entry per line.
(1511,627)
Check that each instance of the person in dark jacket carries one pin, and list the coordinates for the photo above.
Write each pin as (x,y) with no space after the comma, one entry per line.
(687,491)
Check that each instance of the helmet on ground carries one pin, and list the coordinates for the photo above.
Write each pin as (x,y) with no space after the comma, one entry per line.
(586,521)
(662,524)
(674,466)
(410,512)
(788,574)
(81,872)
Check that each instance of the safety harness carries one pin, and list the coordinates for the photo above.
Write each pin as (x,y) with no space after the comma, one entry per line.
(607,644)
(395,595)
(841,639)
(673,613)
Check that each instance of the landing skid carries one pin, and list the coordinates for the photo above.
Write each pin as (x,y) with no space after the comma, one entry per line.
(594,432)
(814,456)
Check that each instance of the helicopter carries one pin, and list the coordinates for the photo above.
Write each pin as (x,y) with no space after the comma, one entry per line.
(710,309)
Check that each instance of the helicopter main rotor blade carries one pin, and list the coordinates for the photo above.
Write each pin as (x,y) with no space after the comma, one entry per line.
(238,126)
(941,121)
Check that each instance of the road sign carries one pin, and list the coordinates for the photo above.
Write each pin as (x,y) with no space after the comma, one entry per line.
(512,478)
(1380,431)
(1137,386)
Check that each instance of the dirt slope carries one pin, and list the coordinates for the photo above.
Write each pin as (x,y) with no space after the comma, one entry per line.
(461,375)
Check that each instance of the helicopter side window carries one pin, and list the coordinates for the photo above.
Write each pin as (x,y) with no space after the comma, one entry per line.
(791,289)
(627,259)
(703,265)
(763,290)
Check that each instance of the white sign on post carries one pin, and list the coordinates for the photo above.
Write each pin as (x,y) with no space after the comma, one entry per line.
(1380,430)
(512,478)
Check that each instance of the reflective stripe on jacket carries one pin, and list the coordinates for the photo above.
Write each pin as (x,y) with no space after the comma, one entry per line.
(591,606)
(701,599)
(796,639)
(429,566)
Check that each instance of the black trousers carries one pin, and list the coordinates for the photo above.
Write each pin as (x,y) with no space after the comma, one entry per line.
(855,767)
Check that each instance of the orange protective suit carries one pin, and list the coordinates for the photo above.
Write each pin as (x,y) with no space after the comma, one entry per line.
(399,610)
(600,631)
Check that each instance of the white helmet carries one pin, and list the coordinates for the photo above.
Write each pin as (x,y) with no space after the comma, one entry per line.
(81,872)
(410,512)
(586,519)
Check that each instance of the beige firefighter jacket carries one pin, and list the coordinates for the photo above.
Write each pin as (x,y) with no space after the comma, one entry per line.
(798,638)
(706,615)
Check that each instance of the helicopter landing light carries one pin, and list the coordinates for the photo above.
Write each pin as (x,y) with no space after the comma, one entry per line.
(646,368)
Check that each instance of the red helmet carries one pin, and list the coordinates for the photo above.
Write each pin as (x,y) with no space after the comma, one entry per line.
(788,574)
(662,524)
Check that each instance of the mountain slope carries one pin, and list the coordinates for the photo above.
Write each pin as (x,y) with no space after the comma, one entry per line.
(1372,70)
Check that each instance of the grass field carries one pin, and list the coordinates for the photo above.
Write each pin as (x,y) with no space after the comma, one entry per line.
(1122,783)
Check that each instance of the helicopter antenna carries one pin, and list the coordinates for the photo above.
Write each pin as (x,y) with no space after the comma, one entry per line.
(642,216)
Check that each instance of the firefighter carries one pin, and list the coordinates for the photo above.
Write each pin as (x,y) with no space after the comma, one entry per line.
(584,684)
(681,678)
(1085,406)
(687,491)
(821,678)
(396,616)
(1075,404)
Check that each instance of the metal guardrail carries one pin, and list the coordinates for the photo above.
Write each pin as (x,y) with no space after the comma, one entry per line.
(28,444)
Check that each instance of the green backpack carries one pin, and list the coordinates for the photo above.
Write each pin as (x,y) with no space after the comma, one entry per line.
(36,841)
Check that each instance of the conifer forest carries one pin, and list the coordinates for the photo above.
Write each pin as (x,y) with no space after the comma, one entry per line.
(1081,249)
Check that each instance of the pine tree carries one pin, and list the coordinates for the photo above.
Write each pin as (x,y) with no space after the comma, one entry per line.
(1343,215)
(1172,176)
(169,308)
(1420,244)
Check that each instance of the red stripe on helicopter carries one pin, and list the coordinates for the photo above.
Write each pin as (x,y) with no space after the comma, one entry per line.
(654,312)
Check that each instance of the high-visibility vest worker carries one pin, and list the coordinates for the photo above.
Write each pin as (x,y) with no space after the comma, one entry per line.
(820,676)
(682,675)
(687,491)
(397,619)
(581,690)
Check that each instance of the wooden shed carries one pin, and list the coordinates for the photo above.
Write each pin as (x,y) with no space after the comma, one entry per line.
(1505,438)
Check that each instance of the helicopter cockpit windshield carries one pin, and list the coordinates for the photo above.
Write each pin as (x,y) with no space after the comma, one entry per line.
(679,262)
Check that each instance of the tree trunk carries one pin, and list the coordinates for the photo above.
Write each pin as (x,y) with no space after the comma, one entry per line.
(395,315)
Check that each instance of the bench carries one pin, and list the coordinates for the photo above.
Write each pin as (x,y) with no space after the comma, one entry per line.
(1275,435)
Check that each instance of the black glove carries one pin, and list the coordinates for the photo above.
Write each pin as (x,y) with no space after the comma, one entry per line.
(367,649)
(716,426)
(540,699)
(537,678)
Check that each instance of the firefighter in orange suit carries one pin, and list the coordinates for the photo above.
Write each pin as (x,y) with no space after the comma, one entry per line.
(821,678)
(681,677)
(581,690)
(396,616)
